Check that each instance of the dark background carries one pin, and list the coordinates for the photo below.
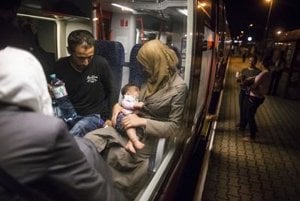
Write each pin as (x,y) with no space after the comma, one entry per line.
(285,15)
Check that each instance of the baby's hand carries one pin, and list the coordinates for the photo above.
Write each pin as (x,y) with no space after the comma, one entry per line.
(139,105)
(107,123)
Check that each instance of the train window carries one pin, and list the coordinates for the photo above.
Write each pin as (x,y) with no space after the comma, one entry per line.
(41,33)
(142,21)
(147,21)
(167,23)
(207,56)
(135,23)
(185,26)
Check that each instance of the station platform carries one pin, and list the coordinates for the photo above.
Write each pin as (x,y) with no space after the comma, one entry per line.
(265,170)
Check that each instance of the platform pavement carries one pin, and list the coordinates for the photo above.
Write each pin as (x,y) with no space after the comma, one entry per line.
(266,170)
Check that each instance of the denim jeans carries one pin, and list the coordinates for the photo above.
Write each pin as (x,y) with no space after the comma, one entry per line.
(252,105)
(84,124)
(67,111)
(78,125)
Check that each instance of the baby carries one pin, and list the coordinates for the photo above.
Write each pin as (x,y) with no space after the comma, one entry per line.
(130,104)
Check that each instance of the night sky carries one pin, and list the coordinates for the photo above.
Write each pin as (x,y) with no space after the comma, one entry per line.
(285,15)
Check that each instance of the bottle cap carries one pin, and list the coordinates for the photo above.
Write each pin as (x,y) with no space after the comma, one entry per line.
(52,76)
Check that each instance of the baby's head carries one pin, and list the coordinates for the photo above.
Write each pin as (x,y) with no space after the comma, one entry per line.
(130,89)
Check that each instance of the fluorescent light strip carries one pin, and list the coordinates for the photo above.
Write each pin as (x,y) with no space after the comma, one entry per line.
(182,11)
(123,8)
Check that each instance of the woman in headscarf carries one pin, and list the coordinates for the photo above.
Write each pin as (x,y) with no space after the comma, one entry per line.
(164,94)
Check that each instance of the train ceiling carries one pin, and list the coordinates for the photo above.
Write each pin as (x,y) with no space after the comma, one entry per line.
(158,8)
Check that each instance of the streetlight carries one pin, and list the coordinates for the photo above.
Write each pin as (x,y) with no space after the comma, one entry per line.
(268,19)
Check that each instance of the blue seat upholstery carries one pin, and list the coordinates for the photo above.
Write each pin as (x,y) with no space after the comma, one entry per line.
(136,75)
(114,53)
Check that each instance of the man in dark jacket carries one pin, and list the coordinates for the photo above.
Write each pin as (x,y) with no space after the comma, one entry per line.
(88,80)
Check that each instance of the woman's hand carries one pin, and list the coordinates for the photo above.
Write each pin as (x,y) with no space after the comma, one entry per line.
(116,110)
(132,120)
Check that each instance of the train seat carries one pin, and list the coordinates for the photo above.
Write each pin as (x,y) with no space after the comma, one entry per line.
(114,53)
(136,75)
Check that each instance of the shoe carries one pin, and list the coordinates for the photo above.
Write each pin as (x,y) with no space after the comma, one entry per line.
(248,139)
(211,117)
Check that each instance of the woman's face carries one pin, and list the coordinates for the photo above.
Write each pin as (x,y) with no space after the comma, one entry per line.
(146,72)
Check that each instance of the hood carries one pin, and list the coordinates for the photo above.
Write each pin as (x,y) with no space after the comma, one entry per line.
(23,82)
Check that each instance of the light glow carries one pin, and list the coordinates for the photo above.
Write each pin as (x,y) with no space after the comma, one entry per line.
(123,8)
(182,11)
(201,4)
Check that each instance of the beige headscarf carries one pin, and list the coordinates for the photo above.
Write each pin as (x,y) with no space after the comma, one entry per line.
(23,81)
(159,62)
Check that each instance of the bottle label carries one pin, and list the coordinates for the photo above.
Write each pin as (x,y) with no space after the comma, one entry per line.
(59,91)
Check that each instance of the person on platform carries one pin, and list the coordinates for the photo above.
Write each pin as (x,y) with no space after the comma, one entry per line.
(277,68)
(245,76)
(257,91)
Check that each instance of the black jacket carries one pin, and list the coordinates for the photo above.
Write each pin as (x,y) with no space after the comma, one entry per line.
(38,151)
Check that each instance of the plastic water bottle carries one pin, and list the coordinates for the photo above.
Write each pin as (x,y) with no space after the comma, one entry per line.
(58,87)
(65,108)
(56,109)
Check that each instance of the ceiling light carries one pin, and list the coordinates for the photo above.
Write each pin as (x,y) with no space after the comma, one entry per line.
(123,8)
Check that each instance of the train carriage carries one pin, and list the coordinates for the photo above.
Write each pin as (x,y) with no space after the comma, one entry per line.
(196,30)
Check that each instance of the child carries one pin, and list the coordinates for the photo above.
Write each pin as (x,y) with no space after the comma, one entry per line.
(130,104)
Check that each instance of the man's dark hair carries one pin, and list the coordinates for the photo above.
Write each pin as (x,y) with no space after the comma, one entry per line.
(126,86)
(79,37)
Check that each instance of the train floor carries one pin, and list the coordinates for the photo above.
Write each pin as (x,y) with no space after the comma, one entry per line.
(265,170)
